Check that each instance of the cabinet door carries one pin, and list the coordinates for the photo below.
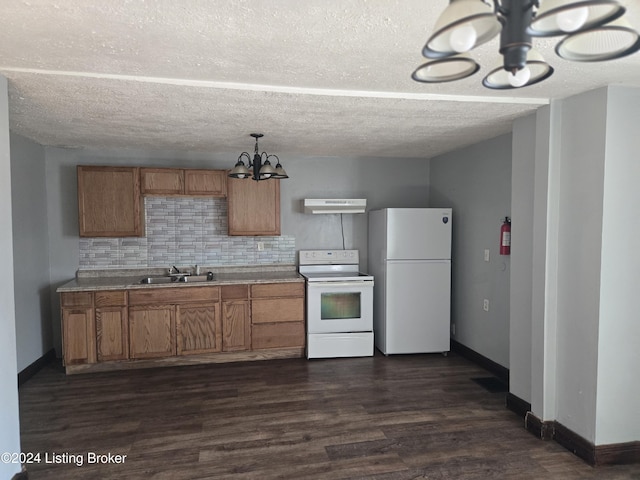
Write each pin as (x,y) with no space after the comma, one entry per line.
(205,182)
(254,207)
(199,328)
(162,181)
(112,333)
(109,202)
(152,331)
(78,336)
(236,325)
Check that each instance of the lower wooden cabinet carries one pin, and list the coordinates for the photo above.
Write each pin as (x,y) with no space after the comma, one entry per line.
(152,331)
(154,323)
(112,325)
(78,336)
(278,335)
(112,333)
(78,328)
(236,318)
(199,329)
(277,315)
(236,325)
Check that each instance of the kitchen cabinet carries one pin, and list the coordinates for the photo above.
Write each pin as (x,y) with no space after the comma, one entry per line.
(78,328)
(211,183)
(199,328)
(174,321)
(253,207)
(109,202)
(277,315)
(162,181)
(152,331)
(112,325)
(178,181)
(236,318)
(179,325)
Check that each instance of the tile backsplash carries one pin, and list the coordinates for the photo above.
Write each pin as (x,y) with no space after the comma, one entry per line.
(185,231)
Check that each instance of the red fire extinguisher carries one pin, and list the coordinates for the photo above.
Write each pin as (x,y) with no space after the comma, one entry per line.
(505,237)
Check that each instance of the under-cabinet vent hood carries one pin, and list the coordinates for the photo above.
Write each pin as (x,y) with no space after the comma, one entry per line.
(335,205)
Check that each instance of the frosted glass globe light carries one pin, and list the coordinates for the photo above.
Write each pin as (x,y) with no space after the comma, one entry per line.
(572,20)
(520,78)
(463,38)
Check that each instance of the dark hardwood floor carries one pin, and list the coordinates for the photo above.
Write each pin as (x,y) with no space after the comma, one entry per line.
(382,418)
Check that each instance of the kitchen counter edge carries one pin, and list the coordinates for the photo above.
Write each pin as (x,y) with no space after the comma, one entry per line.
(133,283)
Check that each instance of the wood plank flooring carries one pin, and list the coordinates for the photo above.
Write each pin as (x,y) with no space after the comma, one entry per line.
(379,418)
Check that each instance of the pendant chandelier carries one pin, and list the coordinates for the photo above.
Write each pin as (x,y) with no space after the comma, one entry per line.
(593,31)
(259,168)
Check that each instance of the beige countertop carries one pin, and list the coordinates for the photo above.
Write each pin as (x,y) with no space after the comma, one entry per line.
(131,279)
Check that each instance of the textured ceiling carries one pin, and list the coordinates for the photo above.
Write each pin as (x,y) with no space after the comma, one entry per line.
(317,77)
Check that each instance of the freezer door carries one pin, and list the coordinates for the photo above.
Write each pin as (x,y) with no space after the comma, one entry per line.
(418,233)
(418,301)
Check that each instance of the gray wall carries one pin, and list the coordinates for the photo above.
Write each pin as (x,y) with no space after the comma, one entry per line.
(9,413)
(617,418)
(575,189)
(598,265)
(523,172)
(476,183)
(619,328)
(579,246)
(30,251)
(383,182)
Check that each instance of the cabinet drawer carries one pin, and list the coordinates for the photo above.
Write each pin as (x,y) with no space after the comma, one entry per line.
(278,290)
(173,295)
(277,335)
(232,292)
(277,310)
(113,298)
(76,299)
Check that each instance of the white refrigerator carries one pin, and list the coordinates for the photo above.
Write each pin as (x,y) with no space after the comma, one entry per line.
(410,258)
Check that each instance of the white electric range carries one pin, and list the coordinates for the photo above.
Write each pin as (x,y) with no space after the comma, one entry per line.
(339,304)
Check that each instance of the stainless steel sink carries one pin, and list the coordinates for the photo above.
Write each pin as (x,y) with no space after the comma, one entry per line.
(159,280)
(197,278)
(179,279)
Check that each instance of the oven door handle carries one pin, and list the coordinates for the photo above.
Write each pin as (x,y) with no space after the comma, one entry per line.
(356,283)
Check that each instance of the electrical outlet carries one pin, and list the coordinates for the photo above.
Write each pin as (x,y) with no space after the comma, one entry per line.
(260,246)
(485,305)
(486,255)
(453,329)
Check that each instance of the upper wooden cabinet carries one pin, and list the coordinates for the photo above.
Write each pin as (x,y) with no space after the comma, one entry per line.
(205,182)
(109,202)
(177,181)
(162,181)
(254,207)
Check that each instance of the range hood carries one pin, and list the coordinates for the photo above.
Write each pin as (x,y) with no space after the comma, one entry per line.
(334,205)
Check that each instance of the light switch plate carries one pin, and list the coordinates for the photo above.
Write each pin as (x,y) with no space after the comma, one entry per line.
(486,255)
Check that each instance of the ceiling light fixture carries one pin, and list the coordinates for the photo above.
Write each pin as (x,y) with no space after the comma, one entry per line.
(593,32)
(259,168)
